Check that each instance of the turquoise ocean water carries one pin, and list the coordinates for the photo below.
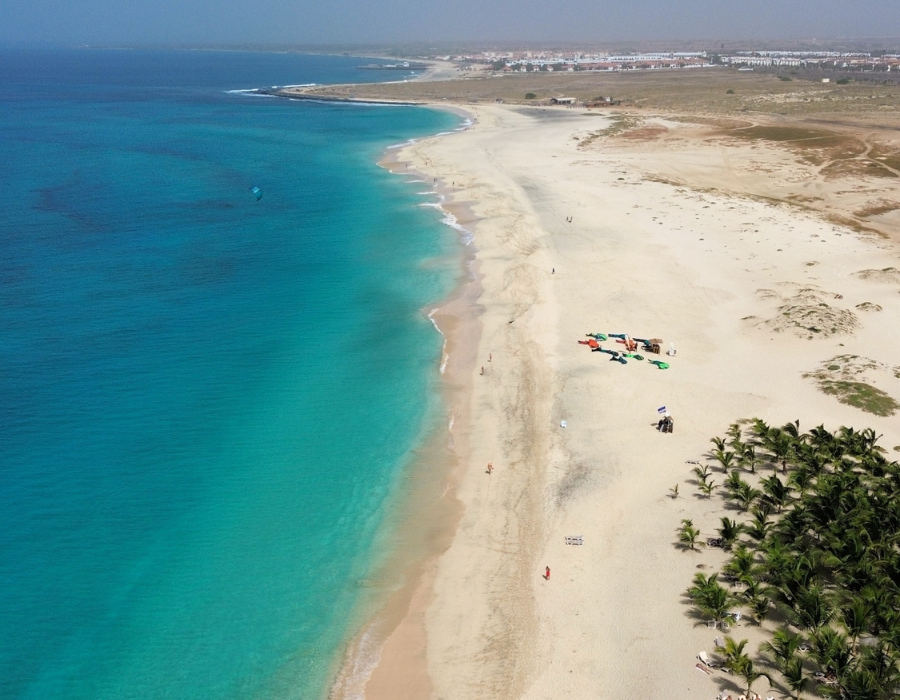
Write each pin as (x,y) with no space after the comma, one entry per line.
(207,403)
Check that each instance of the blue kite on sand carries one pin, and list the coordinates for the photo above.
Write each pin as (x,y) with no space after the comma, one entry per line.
(256,191)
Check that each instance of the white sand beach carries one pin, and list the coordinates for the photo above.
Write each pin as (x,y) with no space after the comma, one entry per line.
(658,230)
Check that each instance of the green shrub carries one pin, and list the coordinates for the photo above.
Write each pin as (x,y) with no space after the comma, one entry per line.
(530,96)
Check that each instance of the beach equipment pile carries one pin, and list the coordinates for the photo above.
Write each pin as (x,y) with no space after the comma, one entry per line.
(631,346)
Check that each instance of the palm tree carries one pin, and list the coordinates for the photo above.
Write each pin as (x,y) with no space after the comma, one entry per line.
(710,597)
(715,603)
(776,492)
(748,458)
(801,479)
(688,534)
(783,647)
(851,440)
(707,487)
(858,684)
(760,606)
(751,674)
(830,649)
(857,618)
(730,531)
(889,625)
(883,666)
(734,653)
(819,437)
(718,442)
(702,472)
(796,680)
(759,527)
(734,481)
(758,530)
(746,496)
(869,438)
(702,582)
(760,429)
(812,610)
(724,458)
(743,559)
(780,445)
(792,429)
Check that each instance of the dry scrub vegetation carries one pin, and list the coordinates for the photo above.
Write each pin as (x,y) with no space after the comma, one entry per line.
(693,92)
(851,378)
(806,314)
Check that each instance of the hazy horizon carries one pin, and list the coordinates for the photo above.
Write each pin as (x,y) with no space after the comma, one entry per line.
(315,22)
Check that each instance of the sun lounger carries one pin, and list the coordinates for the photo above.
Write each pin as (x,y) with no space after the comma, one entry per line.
(575,539)
(715,542)
(719,642)
(704,658)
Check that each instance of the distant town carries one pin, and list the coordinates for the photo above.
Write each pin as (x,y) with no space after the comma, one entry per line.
(570,61)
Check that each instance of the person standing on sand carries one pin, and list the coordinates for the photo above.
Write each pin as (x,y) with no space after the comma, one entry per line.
(490,468)
(490,356)
(482,371)
(547,574)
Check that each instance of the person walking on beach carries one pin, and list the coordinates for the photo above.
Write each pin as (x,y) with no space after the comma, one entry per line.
(490,356)
(482,371)
(547,574)
(490,468)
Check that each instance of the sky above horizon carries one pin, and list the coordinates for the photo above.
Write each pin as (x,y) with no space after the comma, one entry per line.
(361,21)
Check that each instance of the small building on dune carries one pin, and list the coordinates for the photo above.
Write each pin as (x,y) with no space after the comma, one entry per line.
(562,100)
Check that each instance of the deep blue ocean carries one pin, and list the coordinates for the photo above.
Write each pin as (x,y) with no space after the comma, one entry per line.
(208,404)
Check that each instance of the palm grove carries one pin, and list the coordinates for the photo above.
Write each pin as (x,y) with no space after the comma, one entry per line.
(814,549)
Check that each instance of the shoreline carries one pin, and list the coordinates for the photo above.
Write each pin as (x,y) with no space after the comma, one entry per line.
(290,93)
(392,639)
